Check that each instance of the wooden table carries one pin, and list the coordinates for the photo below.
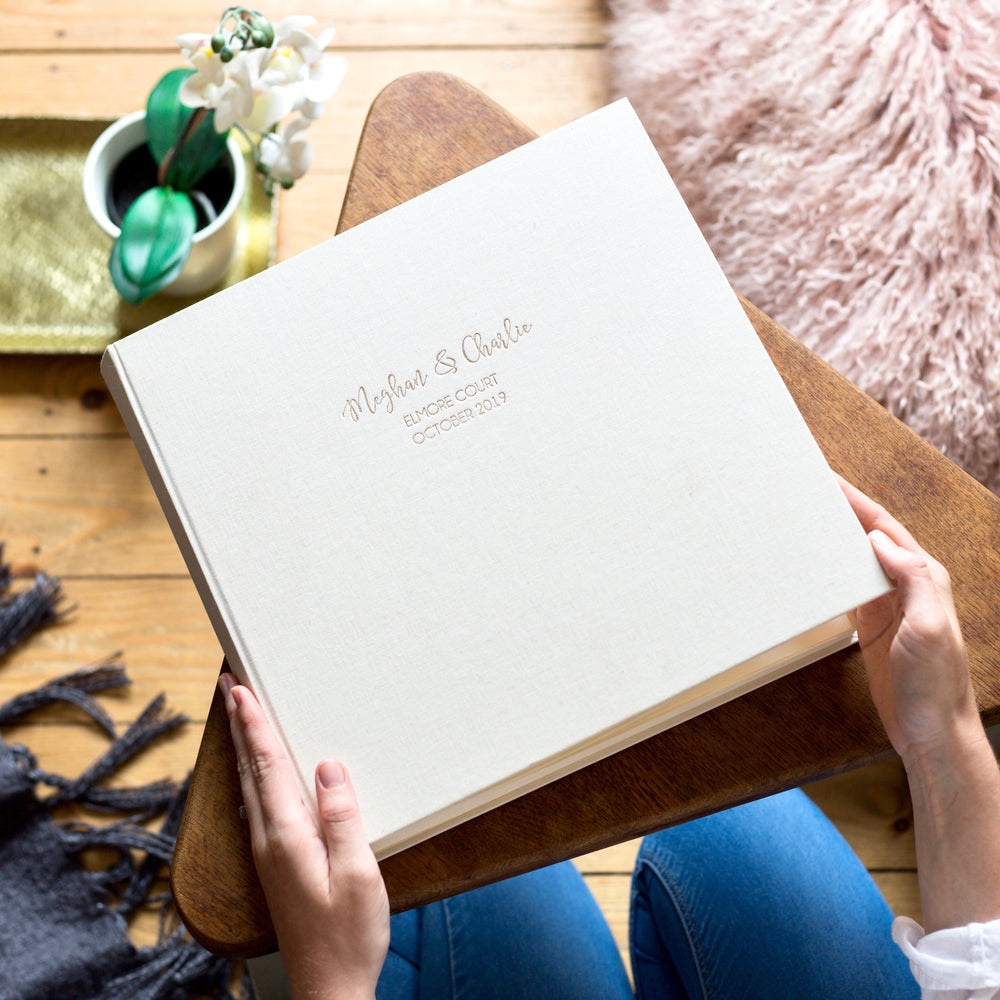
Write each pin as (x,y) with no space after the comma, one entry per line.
(421,131)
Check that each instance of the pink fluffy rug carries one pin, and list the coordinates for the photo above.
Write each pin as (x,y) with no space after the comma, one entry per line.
(842,159)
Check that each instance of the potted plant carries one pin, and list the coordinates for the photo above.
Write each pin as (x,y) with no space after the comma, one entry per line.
(166,183)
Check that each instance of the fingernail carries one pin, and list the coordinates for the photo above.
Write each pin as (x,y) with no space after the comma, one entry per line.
(227,685)
(331,774)
(880,538)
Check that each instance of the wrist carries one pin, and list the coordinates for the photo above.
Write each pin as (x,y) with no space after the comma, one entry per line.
(955,790)
(341,991)
(942,731)
(323,981)
(960,747)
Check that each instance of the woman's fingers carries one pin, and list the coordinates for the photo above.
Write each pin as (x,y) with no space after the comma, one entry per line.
(323,886)
(354,872)
(926,603)
(338,812)
(267,778)
(873,516)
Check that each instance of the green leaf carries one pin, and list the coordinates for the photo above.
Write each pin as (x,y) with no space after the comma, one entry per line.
(154,243)
(166,119)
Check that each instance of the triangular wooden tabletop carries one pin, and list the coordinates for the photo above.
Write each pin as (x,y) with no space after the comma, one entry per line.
(421,131)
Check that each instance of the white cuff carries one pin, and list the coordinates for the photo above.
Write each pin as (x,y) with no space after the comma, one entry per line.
(954,962)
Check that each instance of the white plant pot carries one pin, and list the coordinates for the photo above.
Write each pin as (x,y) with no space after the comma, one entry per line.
(214,246)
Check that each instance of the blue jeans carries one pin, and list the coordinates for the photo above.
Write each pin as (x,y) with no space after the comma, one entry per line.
(764,900)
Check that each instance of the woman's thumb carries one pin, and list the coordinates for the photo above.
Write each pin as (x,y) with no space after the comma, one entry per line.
(338,809)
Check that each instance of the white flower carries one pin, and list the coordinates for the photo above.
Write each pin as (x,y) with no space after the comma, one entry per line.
(323,75)
(297,64)
(258,87)
(270,99)
(197,50)
(231,97)
(318,74)
(289,154)
(322,80)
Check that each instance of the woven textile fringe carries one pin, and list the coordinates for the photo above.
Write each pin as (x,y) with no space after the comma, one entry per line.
(63,928)
(22,613)
(841,157)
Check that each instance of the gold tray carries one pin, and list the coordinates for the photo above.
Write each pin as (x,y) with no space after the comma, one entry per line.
(56,295)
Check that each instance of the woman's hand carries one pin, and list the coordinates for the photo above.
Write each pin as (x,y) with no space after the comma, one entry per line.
(918,671)
(912,643)
(324,889)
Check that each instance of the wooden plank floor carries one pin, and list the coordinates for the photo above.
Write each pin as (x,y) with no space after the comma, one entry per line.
(73,497)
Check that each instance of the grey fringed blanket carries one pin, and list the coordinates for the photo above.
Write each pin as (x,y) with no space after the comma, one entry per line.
(63,929)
